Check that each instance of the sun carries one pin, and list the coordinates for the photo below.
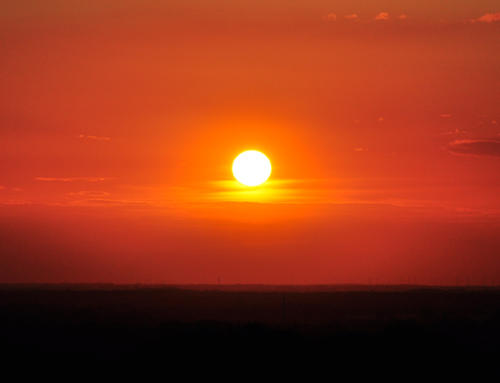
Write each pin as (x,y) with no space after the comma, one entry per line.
(252,168)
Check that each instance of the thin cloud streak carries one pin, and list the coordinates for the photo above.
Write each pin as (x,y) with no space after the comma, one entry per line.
(475,147)
(382,16)
(331,17)
(352,16)
(94,138)
(71,179)
(489,18)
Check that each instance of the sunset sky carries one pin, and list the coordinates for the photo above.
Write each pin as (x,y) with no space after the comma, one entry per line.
(119,122)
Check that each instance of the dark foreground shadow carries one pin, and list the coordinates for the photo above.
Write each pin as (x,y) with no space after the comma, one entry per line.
(147,325)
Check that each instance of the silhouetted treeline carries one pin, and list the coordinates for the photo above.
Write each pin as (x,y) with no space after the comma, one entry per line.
(151,323)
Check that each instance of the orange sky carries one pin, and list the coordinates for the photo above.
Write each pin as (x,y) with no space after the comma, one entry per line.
(119,121)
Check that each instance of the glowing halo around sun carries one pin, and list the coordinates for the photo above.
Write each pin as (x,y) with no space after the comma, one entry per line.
(252,168)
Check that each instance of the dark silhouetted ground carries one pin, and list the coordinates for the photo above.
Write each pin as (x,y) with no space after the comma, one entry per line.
(152,323)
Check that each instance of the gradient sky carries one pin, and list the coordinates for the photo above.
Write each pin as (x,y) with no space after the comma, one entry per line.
(119,121)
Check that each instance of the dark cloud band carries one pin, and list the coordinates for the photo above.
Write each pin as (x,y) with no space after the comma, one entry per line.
(475,147)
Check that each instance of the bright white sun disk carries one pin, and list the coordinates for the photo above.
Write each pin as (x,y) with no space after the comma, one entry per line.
(251,168)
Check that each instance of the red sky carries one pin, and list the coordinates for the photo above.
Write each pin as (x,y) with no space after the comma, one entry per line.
(119,121)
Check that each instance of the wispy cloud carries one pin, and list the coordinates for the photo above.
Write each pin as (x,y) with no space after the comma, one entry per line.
(352,16)
(93,138)
(382,16)
(455,131)
(488,18)
(331,17)
(15,202)
(89,194)
(14,189)
(71,179)
(475,147)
